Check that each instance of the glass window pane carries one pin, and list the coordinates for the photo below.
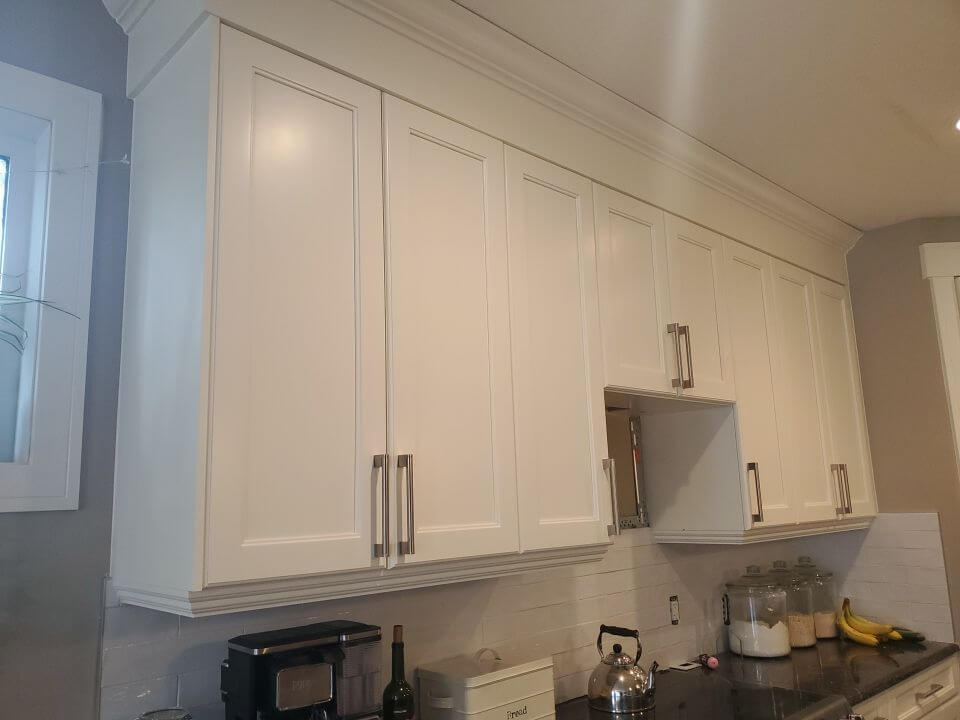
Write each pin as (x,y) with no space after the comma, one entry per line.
(24,168)
(4,171)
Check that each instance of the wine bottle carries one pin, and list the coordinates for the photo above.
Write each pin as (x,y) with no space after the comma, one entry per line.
(398,695)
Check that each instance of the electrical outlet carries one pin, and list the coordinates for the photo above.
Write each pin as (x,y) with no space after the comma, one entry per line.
(674,610)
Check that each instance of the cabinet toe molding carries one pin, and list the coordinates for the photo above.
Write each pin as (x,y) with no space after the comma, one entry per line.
(759,534)
(220,599)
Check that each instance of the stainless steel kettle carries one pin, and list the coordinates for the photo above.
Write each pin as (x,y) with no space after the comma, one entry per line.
(619,684)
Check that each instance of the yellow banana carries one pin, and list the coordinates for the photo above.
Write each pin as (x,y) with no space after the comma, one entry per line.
(856,635)
(868,627)
(893,636)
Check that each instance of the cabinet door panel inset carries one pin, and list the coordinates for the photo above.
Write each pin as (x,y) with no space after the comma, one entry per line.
(560,411)
(844,401)
(451,391)
(805,466)
(695,258)
(298,407)
(634,298)
(749,287)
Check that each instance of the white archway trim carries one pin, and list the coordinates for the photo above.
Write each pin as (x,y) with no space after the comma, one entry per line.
(940,264)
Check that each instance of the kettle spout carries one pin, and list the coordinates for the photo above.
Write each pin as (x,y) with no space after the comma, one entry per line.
(651,679)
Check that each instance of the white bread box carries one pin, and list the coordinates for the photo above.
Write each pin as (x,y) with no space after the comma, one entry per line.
(483,686)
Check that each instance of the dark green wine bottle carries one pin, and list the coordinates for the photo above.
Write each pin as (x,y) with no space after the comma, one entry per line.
(398,695)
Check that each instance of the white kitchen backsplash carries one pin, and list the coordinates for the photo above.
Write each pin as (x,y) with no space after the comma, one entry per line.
(899,575)
(152,659)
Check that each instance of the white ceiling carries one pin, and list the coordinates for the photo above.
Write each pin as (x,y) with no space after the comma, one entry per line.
(849,104)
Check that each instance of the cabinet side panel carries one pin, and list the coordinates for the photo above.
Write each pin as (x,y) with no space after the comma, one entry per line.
(691,470)
(162,405)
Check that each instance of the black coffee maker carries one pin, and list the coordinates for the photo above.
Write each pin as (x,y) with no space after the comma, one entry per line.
(326,671)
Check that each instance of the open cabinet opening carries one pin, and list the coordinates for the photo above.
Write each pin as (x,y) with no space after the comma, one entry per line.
(677,463)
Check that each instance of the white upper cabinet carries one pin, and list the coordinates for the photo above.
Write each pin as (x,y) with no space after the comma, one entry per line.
(297,404)
(634,297)
(801,409)
(326,406)
(753,332)
(450,388)
(849,446)
(561,432)
(365,346)
(803,460)
(697,313)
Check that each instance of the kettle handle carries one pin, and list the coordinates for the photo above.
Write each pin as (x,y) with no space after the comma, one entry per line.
(621,632)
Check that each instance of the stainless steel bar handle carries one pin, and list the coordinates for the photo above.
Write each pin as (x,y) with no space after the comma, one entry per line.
(405,463)
(755,467)
(610,468)
(934,689)
(846,485)
(685,331)
(842,507)
(674,329)
(382,463)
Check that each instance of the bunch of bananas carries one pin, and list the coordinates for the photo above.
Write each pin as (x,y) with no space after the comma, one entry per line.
(867,632)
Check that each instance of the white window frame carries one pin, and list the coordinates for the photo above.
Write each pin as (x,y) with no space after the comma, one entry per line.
(48,477)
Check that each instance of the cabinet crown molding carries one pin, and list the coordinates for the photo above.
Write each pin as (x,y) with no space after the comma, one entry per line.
(127,13)
(458,34)
(461,35)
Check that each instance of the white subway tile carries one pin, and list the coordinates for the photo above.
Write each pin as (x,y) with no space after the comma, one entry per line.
(908,521)
(130,625)
(930,613)
(123,702)
(940,632)
(892,572)
(200,687)
(213,711)
(926,577)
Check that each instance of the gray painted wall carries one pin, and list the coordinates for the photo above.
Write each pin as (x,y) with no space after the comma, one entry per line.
(914,462)
(52,564)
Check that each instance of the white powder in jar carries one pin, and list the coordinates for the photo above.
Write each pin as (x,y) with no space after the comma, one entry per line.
(757,639)
(802,629)
(825,622)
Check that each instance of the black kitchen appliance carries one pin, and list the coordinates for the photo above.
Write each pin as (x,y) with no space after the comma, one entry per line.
(326,671)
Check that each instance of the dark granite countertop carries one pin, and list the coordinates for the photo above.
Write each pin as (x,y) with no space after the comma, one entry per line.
(819,683)
(706,695)
(835,667)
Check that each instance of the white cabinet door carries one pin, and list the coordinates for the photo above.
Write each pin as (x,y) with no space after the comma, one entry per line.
(634,298)
(297,403)
(800,397)
(695,260)
(749,292)
(451,396)
(846,422)
(564,497)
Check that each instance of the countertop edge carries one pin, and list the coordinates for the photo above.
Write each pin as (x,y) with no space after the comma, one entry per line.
(898,676)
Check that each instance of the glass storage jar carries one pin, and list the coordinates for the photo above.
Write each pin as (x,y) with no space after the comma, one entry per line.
(824,597)
(800,620)
(755,612)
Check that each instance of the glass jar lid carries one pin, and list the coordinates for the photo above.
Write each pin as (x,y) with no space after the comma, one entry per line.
(806,566)
(753,580)
(784,577)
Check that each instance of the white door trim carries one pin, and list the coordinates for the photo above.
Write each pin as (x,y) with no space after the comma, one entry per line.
(940,264)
